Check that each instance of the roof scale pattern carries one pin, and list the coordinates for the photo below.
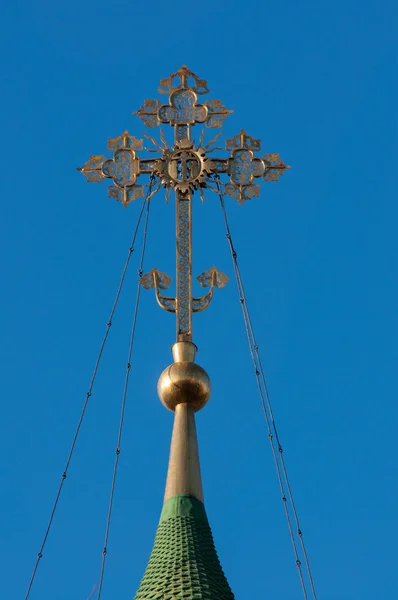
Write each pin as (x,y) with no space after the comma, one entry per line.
(184,562)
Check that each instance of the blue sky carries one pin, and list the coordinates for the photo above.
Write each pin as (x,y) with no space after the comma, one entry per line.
(316,82)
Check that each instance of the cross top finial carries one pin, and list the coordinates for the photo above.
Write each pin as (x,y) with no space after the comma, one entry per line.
(183,79)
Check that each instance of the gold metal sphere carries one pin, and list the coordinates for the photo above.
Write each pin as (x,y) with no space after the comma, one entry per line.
(184,382)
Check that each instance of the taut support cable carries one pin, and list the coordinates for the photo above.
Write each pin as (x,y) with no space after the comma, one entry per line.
(274,439)
(123,406)
(90,389)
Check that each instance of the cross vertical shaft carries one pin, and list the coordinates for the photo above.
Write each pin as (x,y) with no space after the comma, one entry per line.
(183,244)
(184,266)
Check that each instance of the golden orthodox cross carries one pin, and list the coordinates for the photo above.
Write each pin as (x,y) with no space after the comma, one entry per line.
(185,168)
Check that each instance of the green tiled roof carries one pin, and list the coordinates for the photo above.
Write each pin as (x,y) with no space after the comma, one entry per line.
(184,562)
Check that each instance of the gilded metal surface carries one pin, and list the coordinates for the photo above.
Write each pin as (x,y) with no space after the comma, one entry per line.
(183,78)
(183,474)
(184,266)
(155,279)
(242,140)
(123,168)
(184,382)
(184,351)
(212,279)
(127,194)
(244,167)
(186,168)
(160,281)
(183,110)
(125,141)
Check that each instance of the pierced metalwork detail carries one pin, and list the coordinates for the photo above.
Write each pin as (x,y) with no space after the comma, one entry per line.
(220,165)
(155,278)
(182,111)
(160,281)
(92,169)
(243,167)
(183,79)
(123,168)
(242,140)
(182,132)
(213,279)
(241,193)
(217,113)
(149,113)
(274,167)
(184,266)
(125,141)
(185,167)
(127,194)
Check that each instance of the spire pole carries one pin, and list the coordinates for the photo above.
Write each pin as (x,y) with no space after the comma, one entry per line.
(183,475)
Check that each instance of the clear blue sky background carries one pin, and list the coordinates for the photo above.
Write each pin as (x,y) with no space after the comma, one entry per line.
(317,82)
